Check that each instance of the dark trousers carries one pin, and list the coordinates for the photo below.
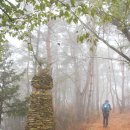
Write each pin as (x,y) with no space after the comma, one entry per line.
(105,118)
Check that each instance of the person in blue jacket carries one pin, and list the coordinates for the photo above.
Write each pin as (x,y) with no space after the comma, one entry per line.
(106,107)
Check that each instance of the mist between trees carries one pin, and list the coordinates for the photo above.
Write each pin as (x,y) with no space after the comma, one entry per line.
(89,62)
(83,75)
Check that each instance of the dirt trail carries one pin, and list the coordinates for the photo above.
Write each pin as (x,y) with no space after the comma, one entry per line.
(116,122)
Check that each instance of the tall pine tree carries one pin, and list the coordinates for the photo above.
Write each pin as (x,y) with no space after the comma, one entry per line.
(9,96)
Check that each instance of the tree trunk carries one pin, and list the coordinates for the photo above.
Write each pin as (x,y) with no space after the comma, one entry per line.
(110,82)
(115,87)
(88,85)
(123,88)
(37,50)
(48,44)
(97,87)
(1,112)
(27,74)
(89,111)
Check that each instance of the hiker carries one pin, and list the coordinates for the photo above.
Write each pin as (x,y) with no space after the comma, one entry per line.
(106,107)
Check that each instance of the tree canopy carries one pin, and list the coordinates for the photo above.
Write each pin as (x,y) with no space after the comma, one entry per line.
(18,18)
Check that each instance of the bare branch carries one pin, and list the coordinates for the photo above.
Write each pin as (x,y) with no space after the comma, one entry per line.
(11,20)
(100,38)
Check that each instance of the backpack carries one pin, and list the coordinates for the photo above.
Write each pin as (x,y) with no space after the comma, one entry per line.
(106,107)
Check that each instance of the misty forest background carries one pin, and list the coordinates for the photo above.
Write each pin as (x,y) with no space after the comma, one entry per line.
(87,45)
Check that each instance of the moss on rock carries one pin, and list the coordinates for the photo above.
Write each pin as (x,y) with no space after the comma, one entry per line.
(40,114)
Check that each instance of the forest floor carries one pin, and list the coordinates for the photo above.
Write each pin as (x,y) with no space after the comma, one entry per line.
(116,122)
